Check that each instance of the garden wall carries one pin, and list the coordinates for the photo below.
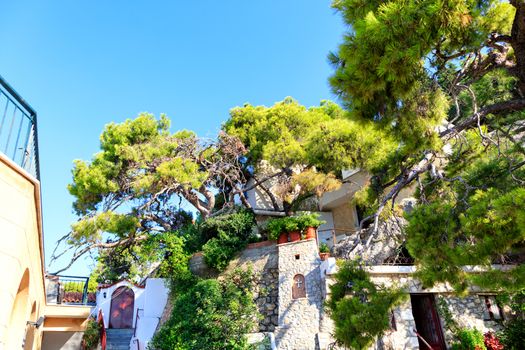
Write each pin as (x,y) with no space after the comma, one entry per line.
(263,260)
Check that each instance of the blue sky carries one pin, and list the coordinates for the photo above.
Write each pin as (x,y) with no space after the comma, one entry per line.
(82,64)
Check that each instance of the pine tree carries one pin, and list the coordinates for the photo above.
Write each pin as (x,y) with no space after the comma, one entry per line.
(446,81)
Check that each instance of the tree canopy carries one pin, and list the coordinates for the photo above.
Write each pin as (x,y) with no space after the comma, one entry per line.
(433,95)
(444,80)
(136,186)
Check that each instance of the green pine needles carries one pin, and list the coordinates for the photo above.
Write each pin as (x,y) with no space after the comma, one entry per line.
(360,309)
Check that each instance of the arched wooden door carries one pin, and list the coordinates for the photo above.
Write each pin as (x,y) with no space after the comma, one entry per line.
(122,305)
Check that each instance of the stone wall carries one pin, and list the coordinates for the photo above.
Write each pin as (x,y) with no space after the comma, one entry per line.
(266,295)
(262,258)
(467,311)
(299,318)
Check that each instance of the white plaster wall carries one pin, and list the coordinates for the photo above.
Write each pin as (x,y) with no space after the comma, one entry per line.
(324,232)
(104,304)
(155,299)
(156,296)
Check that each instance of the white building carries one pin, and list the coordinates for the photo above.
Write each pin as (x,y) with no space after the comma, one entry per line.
(132,312)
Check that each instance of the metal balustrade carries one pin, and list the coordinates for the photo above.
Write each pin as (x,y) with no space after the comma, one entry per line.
(18,130)
(69,290)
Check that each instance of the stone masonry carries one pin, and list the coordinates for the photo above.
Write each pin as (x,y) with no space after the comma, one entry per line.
(299,318)
(266,298)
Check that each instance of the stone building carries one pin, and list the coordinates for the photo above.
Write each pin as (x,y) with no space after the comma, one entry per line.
(300,295)
(304,281)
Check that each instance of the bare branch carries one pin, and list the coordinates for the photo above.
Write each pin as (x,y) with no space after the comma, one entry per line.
(99,245)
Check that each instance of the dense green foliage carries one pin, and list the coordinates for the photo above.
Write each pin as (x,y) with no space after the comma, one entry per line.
(360,309)
(313,144)
(91,336)
(211,315)
(135,187)
(231,234)
(445,83)
(488,209)
(469,339)
(512,336)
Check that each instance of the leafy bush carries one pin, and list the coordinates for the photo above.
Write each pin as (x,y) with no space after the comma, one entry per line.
(359,308)
(279,225)
(492,342)
(229,234)
(309,220)
(469,339)
(91,335)
(220,250)
(211,315)
(513,334)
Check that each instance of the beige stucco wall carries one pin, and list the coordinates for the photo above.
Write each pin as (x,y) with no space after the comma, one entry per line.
(345,218)
(20,257)
(22,296)
(61,340)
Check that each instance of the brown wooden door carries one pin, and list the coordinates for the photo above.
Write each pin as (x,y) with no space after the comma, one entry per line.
(427,321)
(122,304)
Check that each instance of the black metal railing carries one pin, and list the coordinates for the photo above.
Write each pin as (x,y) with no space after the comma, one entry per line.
(69,290)
(18,130)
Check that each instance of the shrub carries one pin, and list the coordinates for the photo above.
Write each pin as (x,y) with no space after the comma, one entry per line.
(220,250)
(227,234)
(279,225)
(469,339)
(359,308)
(309,220)
(211,315)
(91,335)
(492,342)
(513,334)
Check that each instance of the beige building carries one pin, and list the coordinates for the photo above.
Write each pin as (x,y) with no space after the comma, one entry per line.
(26,320)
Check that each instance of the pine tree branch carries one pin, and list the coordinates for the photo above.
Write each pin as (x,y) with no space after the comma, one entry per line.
(497,108)
(100,245)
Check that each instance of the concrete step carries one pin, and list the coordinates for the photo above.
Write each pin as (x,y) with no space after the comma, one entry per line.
(118,339)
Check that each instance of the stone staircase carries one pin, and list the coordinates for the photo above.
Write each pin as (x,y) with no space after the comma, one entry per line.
(118,339)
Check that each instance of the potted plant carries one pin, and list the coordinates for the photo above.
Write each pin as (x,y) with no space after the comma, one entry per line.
(289,229)
(276,230)
(308,223)
(324,251)
(284,229)
(292,226)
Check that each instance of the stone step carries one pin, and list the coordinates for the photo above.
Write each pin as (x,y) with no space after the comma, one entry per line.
(118,339)
(117,347)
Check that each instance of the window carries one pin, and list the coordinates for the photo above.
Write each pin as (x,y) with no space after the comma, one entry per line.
(393,325)
(298,287)
(491,310)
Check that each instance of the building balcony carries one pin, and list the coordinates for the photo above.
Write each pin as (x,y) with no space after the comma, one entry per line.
(18,130)
(69,290)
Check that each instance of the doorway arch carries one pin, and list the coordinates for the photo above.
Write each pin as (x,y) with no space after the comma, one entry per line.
(122,306)
(19,314)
